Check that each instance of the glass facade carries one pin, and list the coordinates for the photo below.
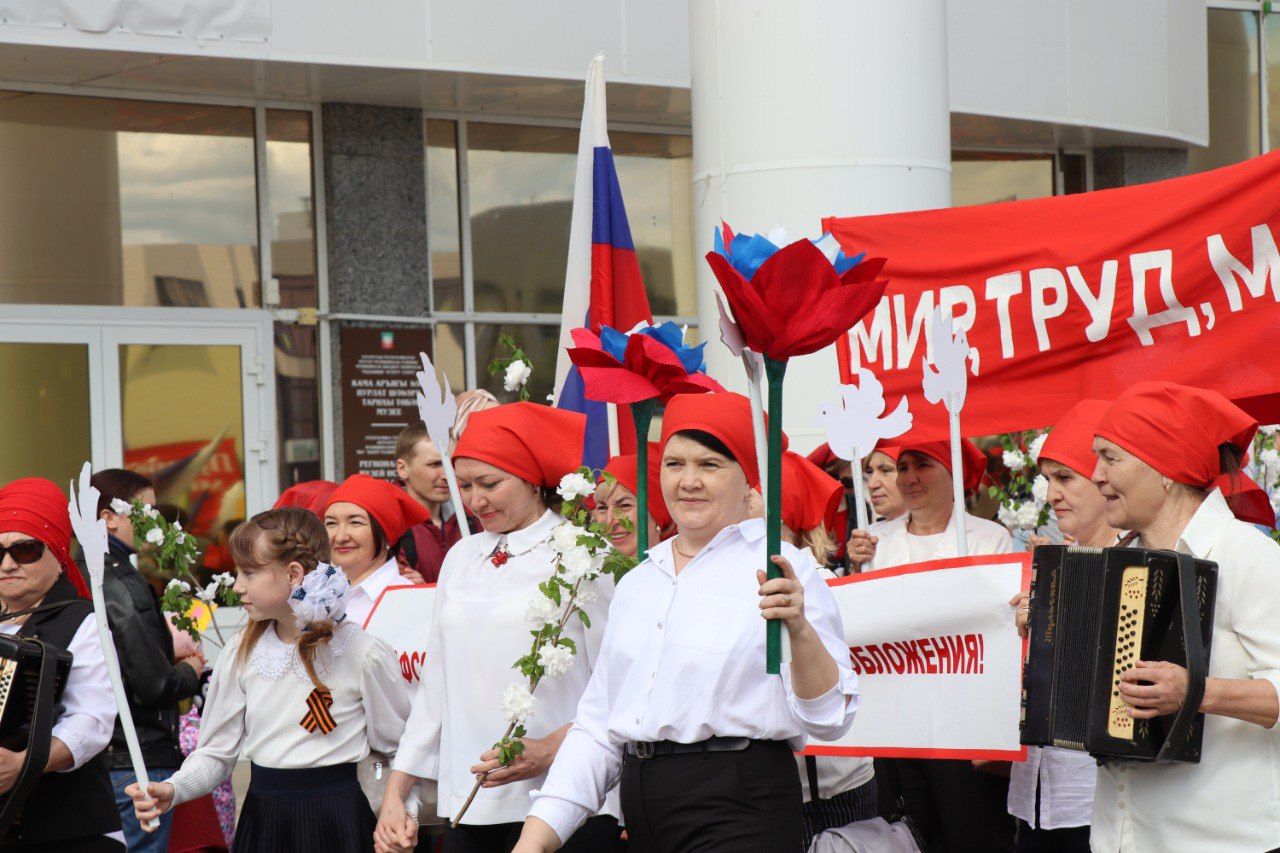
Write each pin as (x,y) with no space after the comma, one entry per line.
(1235,126)
(979,177)
(46,425)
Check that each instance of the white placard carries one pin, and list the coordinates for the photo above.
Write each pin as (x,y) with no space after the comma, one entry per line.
(939,659)
(401,618)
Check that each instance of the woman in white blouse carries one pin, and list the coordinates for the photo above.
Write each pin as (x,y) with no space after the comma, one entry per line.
(679,710)
(365,518)
(1051,793)
(302,693)
(1160,448)
(508,462)
(44,596)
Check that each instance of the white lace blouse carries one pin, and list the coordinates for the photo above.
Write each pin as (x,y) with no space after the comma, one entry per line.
(256,710)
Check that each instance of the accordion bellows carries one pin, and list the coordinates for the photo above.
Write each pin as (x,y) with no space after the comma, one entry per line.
(1094,613)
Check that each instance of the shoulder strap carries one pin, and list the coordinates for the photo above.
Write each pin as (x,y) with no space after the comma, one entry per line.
(38,738)
(811,770)
(1197,660)
(39,608)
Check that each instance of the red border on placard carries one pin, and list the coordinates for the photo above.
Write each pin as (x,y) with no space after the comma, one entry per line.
(378,600)
(923,752)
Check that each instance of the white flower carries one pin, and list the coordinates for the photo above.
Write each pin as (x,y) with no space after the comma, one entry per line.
(587,594)
(1040,489)
(1028,516)
(541,611)
(556,659)
(516,376)
(120,507)
(1037,445)
(1268,430)
(517,703)
(177,584)
(1008,516)
(177,525)
(180,538)
(208,594)
(225,579)
(565,537)
(574,486)
(1014,460)
(150,512)
(155,536)
(1270,461)
(577,563)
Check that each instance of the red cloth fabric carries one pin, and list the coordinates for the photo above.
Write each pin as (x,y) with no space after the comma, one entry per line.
(891,450)
(38,508)
(388,504)
(624,469)
(1070,442)
(539,444)
(972,458)
(823,457)
(196,828)
(431,543)
(1176,429)
(810,496)
(725,415)
(651,370)
(312,495)
(1247,500)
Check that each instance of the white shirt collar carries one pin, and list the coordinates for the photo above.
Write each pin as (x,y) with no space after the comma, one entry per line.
(752,530)
(1206,525)
(379,579)
(523,540)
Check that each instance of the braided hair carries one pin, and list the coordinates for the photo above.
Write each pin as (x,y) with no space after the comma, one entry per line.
(280,537)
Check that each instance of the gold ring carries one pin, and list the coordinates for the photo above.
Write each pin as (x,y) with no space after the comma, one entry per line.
(786,599)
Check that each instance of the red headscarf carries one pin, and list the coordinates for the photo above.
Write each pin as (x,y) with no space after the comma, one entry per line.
(1070,443)
(1247,500)
(972,458)
(823,456)
(892,450)
(810,496)
(389,505)
(539,444)
(38,508)
(624,469)
(312,495)
(1176,429)
(723,414)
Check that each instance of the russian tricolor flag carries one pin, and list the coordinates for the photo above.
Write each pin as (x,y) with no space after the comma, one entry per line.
(602,285)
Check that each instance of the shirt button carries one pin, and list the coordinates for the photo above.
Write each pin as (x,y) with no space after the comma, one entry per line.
(1120,787)
(659,624)
(1122,805)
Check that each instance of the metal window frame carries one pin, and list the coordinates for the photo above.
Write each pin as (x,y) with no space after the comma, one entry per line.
(469,318)
(1259,10)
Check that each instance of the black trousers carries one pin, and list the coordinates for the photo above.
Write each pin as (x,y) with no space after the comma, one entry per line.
(956,808)
(600,833)
(1074,839)
(714,802)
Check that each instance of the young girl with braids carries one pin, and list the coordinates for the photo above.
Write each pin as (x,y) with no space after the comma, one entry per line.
(302,692)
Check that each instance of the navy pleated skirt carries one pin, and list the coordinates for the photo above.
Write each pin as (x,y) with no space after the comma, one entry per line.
(305,811)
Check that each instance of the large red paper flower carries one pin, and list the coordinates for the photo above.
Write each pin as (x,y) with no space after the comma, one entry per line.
(649,369)
(795,303)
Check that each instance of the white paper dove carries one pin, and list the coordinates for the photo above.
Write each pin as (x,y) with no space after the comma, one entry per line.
(947,379)
(438,409)
(753,364)
(91,533)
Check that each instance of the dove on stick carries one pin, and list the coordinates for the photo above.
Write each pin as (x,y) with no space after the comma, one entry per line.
(438,410)
(91,533)
(856,423)
(946,381)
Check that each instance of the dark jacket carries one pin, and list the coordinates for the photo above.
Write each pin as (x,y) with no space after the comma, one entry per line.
(77,804)
(153,683)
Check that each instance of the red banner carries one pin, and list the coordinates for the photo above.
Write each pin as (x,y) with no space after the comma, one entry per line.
(1080,296)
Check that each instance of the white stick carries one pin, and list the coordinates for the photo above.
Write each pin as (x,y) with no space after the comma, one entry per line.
(454,495)
(755,381)
(957,482)
(859,490)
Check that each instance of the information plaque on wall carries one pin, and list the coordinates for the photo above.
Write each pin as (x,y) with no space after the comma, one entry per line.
(378,386)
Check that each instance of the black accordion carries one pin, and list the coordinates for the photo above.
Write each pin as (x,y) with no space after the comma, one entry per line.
(32,677)
(1095,612)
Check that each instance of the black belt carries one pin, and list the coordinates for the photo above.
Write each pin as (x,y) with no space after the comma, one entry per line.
(643,749)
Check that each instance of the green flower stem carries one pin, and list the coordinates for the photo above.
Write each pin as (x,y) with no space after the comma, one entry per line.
(642,415)
(774,371)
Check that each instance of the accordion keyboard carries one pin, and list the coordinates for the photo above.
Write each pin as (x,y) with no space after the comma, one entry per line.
(1128,646)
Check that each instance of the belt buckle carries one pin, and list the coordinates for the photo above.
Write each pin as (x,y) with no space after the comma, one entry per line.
(644,749)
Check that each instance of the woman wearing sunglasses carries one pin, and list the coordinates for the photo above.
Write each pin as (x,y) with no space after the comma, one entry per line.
(43,595)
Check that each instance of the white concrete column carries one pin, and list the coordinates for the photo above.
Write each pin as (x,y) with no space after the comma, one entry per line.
(806,109)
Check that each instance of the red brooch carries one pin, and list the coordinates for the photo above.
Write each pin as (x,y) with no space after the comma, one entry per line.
(499,558)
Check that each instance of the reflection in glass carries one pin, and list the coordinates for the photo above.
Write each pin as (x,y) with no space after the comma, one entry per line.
(46,420)
(442,215)
(297,403)
(291,207)
(182,418)
(1233,91)
(105,199)
(538,342)
(448,354)
(1273,82)
(982,178)
(520,184)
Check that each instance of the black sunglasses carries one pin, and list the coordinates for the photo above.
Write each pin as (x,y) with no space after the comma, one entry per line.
(24,552)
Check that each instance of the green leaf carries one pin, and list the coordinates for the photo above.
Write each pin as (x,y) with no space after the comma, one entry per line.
(582,614)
